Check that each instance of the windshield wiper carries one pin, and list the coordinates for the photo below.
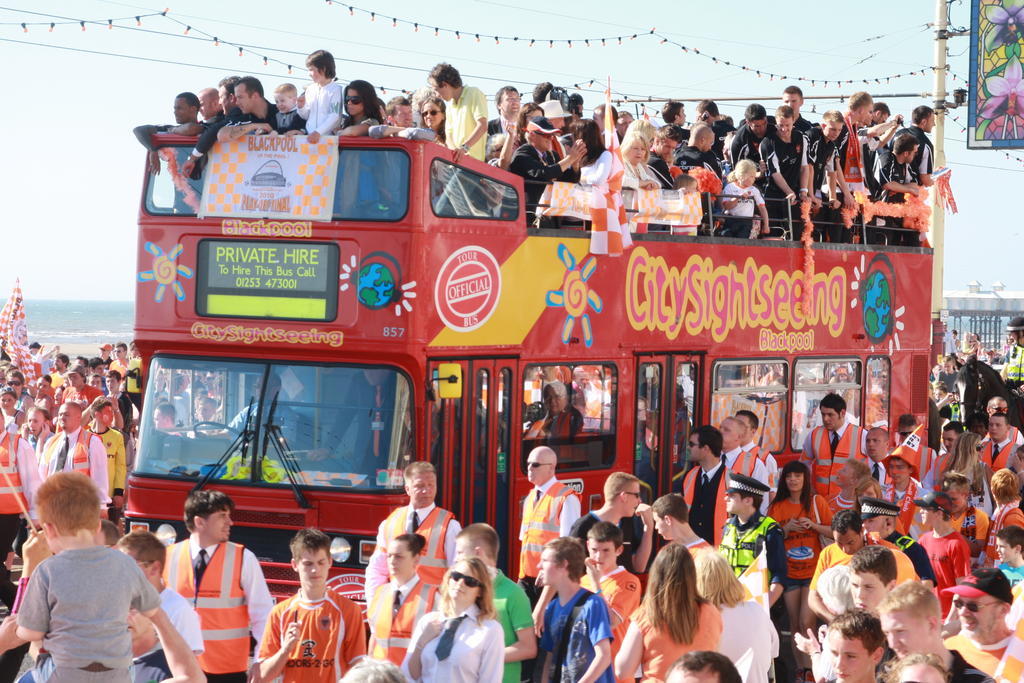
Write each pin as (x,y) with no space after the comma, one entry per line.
(241,441)
(273,435)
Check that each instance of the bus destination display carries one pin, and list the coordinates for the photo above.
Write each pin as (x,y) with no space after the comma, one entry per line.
(258,279)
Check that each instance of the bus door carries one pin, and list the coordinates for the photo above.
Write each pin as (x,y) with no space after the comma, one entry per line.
(469,441)
(666,407)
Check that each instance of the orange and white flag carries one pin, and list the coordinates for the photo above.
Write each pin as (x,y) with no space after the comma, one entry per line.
(609,230)
(755,581)
(14,333)
(1011,666)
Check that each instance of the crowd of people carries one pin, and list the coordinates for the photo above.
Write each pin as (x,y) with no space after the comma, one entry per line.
(769,163)
(873,557)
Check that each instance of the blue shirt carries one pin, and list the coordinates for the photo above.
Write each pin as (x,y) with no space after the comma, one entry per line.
(592,627)
(1013,574)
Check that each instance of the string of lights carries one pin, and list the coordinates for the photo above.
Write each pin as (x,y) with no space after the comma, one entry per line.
(63,21)
(603,41)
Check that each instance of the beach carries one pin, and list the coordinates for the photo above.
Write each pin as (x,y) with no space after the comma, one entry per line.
(79,328)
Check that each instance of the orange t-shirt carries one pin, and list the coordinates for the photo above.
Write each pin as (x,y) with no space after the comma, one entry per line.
(802,546)
(833,556)
(984,660)
(701,546)
(837,503)
(660,651)
(621,592)
(973,524)
(331,636)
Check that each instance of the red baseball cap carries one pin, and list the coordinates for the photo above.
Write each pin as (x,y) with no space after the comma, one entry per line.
(984,581)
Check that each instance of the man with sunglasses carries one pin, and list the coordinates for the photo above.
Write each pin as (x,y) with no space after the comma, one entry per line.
(538,163)
(622,506)
(982,601)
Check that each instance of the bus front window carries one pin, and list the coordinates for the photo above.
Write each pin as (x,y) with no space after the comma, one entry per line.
(273,423)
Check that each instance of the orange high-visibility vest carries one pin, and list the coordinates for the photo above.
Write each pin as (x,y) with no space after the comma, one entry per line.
(744,462)
(221,604)
(540,525)
(390,633)
(433,562)
(10,486)
(79,455)
(690,487)
(825,464)
(998,461)
(905,518)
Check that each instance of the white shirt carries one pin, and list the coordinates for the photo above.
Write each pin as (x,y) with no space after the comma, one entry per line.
(571,510)
(710,474)
(809,453)
(257,596)
(744,205)
(377,567)
(760,472)
(748,627)
(324,106)
(28,470)
(184,618)
(97,461)
(597,173)
(478,652)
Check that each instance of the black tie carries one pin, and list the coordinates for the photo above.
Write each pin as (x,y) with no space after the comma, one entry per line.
(444,646)
(537,497)
(62,455)
(834,441)
(200,569)
(995,453)
(414,522)
(874,472)
(703,480)
(398,602)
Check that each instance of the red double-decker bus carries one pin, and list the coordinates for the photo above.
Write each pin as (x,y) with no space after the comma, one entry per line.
(300,366)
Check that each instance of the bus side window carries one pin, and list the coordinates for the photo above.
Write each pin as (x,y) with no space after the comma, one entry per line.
(876,394)
(372,185)
(757,386)
(647,451)
(457,192)
(816,378)
(571,409)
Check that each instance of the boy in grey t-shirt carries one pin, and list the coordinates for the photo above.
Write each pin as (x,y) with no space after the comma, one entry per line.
(77,601)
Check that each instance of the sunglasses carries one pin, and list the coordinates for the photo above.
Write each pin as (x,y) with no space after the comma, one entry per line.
(354,99)
(970,606)
(432,112)
(470,581)
(14,383)
(535,465)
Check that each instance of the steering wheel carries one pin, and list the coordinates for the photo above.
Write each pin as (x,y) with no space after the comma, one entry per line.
(200,427)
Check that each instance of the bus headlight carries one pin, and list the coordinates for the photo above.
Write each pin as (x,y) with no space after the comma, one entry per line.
(166,534)
(340,549)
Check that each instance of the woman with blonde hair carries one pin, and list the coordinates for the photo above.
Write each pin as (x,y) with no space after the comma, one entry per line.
(637,174)
(463,641)
(1007,513)
(745,624)
(966,461)
(673,619)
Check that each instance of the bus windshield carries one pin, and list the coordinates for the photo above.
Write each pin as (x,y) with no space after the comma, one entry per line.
(271,423)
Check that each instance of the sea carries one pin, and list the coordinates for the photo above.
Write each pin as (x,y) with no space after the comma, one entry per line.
(53,321)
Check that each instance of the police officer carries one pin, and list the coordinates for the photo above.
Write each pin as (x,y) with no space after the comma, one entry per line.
(879,517)
(1013,370)
(747,532)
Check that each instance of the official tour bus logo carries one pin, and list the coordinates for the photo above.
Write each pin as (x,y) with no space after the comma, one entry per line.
(468,288)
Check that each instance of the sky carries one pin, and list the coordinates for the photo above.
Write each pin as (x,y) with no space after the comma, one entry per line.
(72,177)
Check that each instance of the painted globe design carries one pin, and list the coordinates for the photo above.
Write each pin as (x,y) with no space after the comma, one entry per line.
(877,306)
(376,285)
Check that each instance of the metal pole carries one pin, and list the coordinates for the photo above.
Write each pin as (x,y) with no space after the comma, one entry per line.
(938,135)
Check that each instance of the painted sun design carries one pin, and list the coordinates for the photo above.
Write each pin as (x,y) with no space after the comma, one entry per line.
(870,290)
(346,272)
(166,271)
(575,295)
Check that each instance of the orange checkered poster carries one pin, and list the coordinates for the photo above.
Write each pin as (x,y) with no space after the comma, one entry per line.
(271,176)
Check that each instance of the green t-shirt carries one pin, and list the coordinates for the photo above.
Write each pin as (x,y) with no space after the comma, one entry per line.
(514,614)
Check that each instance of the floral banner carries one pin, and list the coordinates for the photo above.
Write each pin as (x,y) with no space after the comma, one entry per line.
(996,100)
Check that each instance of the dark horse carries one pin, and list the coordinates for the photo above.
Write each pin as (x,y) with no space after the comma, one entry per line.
(977,383)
